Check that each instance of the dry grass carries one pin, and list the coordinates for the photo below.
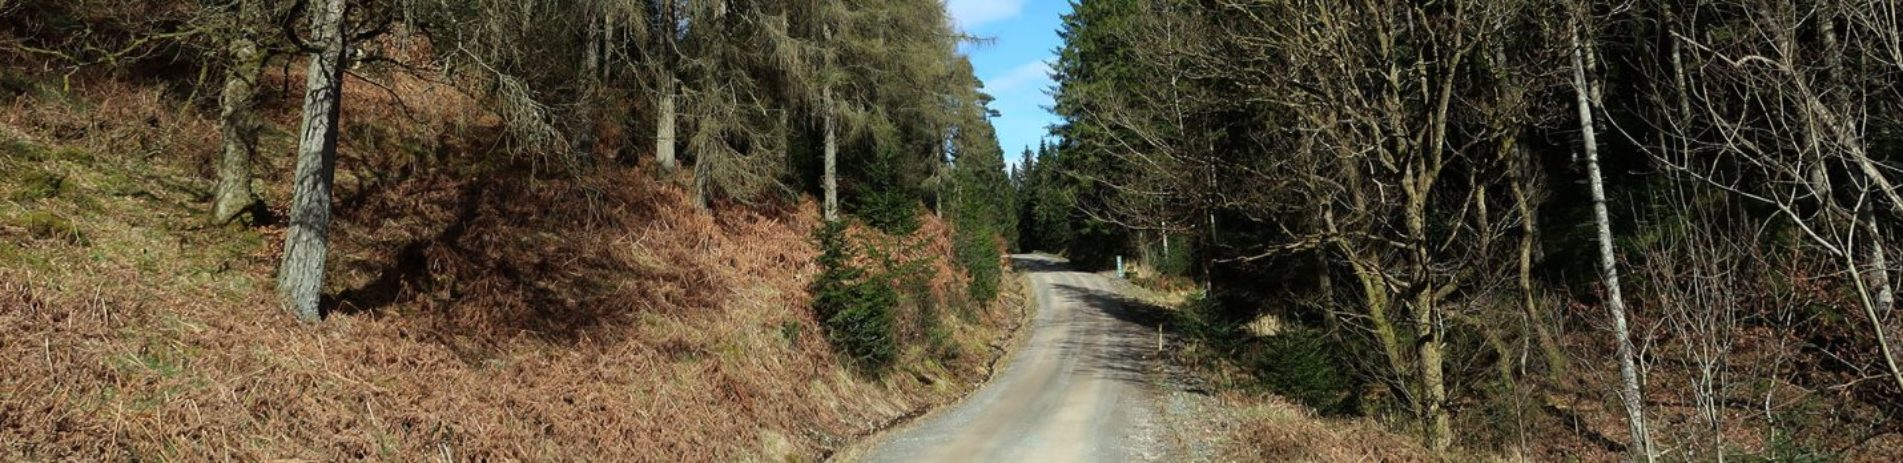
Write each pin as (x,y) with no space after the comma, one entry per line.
(1785,395)
(487,311)
(1766,411)
(1270,428)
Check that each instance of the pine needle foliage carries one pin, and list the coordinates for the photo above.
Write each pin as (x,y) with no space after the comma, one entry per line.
(855,304)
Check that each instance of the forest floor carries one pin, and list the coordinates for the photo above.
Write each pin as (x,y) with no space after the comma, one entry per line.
(1211,418)
(1548,420)
(484,307)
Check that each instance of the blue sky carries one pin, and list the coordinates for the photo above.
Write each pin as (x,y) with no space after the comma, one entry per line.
(1016,65)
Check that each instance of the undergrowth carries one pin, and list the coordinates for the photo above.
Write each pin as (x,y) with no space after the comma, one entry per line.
(855,304)
(1287,396)
(1296,362)
(881,298)
(883,202)
(485,310)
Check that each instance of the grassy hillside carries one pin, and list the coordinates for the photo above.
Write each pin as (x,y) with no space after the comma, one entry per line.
(487,306)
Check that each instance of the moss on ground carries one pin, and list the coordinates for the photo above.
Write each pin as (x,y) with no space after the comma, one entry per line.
(49,226)
(11,149)
(35,185)
(12,256)
(74,155)
(116,183)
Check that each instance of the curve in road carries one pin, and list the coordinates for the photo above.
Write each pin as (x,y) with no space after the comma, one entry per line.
(1078,389)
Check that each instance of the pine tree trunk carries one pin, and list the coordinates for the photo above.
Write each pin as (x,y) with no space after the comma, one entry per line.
(238,125)
(703,165)
(665,29)
(945,181)
(301,276)
(831,180)
(591,94)
(664,126)
(1608,264)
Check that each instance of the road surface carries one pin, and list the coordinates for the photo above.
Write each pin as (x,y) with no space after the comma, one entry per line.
(1077,389)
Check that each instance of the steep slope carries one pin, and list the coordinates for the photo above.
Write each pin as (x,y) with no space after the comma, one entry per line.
(597,316)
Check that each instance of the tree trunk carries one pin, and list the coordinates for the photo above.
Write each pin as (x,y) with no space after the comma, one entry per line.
(831,180)
(1431,350)
(1166,243)
(592,46)
(1429,347)
(1529,227)
(301,276)
(703,173)
(1880,273)
(665,27)
(1608,265)
(944,178)
(1374,295)
(1878,279)
(238,124)
(664,125)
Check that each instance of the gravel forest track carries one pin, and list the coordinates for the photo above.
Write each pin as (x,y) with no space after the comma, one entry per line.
(1078,388)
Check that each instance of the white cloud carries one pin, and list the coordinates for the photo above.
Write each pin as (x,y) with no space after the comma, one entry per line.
(1033,74)
(969,15)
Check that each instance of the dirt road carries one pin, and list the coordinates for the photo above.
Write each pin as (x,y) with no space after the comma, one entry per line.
(1077,389)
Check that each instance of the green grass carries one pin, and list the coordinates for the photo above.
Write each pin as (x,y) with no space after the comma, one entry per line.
(37,185)
(17,150)
(12,256)
(151,363)
(160,354)
(74,155)
(49,226)
(120,184)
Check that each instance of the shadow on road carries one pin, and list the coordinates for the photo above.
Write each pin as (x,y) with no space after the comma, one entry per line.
(1127,352)
(1033,263)
(1126,349)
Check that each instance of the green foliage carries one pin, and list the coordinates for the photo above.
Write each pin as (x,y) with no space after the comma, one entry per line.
(885,202)
(1299,362)
(939,341)
(978,255)
(898,86)
(856,306)
(861,323)
(914,280)
(983,209)
(1066,194)
(1786,448)
(1174,259)
(1044,204)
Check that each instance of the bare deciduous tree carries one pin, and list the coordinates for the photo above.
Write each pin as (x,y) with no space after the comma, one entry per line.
(245,55)
(301,275)
(1629,388)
